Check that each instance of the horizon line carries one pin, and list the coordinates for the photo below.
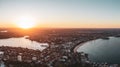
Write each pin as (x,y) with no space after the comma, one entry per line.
(57,28)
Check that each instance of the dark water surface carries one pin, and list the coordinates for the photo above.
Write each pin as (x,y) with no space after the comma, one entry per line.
(101,50)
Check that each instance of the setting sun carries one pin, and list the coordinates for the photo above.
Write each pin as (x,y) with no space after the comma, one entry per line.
(25,23)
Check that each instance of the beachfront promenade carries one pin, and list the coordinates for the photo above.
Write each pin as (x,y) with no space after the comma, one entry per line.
(60,53)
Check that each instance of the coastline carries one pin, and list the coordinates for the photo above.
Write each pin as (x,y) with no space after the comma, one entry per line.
(80,44)
(76,47)
(111,38)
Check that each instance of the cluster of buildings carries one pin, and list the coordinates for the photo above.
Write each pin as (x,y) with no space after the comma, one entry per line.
(60,52)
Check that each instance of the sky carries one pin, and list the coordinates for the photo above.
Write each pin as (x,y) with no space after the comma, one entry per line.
(62,13)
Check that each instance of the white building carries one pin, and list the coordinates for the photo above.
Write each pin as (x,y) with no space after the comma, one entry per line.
(19,57)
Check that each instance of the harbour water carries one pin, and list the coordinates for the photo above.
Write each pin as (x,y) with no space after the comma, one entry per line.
(102,50)
(24,43)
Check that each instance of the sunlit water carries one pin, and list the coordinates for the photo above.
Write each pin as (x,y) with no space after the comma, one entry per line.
(4,31)
(24,43)
(102,50)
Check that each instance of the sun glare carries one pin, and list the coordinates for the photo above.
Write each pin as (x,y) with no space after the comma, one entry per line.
(25,23)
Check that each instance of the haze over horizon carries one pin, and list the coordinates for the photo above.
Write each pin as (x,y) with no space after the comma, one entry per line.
(61,13)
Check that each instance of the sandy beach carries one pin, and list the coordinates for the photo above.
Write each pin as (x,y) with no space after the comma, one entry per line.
(75,49)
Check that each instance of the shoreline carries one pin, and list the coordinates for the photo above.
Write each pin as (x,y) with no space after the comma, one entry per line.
(80,44)
(76,47)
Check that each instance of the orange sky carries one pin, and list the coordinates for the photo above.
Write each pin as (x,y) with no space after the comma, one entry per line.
(61,13)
